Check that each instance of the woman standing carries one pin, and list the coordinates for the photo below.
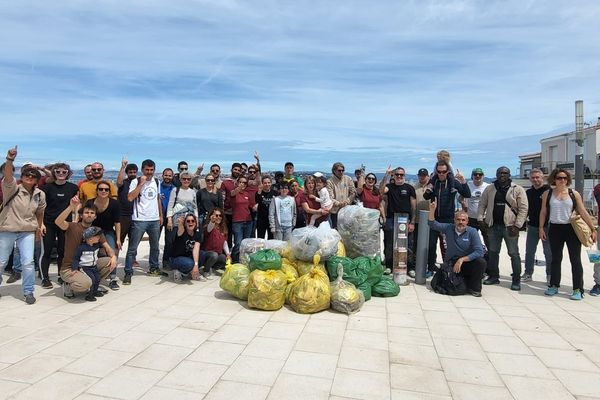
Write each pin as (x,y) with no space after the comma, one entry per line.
(215,247)
(208,198)
(263,198)
(309,205)
(58,194)
(108,218)
(298,194)
(241,205)
(558,204)
(185,252)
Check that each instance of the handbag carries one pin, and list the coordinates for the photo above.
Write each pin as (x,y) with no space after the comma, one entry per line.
(582,230)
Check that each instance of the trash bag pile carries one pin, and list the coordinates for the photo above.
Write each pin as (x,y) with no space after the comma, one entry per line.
(310,273)
(359,229)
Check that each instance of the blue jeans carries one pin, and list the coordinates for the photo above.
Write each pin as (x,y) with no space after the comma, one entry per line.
(533,238)
(496,234)
(283,233)
(241,231)
(138,228)
(37,255)
(182,264)
(25,243)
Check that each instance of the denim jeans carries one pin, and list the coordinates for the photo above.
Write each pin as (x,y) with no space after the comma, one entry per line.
(496,234)
(283,233)
(25,243)
(533,238)
(138,228)
(241,231)
(37,255)
(182,264)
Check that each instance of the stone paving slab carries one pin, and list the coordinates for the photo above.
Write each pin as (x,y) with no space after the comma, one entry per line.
(159,340)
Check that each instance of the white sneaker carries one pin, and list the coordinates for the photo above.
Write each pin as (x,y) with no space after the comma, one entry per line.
(201,278)
(177,277)
(412,273)
(208,276)
(67,291)
(526,278)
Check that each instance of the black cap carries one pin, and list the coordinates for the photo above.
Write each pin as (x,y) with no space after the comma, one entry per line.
(423,171)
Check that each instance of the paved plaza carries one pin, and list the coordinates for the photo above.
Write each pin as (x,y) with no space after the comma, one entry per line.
(158,340)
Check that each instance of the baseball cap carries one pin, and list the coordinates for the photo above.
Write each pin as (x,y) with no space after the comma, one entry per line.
(318,174)
(477,171)
(91,232)
(423,171)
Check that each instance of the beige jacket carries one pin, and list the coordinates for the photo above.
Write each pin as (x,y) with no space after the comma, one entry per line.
(21,214)
(341,190)
(516,200)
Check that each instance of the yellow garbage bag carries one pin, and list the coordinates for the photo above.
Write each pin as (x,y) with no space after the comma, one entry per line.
(289,270)
(266,289)
(310,293)
(341,251)
(235,280)
(304,267)
(345,297)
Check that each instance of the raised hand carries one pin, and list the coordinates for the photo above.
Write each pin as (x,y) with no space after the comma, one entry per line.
(11,154)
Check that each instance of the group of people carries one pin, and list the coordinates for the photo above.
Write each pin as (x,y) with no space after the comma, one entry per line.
(205,218)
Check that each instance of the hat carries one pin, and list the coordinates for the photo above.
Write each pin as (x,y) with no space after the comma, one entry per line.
(91,232)
(318,174)
(30,170)
(477,171)
(423,171)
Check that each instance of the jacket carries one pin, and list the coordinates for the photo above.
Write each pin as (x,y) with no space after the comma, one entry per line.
(274,213)
(21,213)
(516,200)
(444,192)
(341,190)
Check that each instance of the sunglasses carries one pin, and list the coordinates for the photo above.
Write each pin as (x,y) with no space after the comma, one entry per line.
(251,172)
(210,181)
(60,172)
(442,172)
(183,169)
(504,173)
(370,178)
(477,174)
(399,174)
(190,221)
(186,179)
(96,169)
(103,189)
(32,176)
(215,170)
(562,178)
(340,170)
(217,215)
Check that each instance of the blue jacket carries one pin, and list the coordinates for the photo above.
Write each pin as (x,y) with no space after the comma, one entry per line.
(444,192)
(466,244)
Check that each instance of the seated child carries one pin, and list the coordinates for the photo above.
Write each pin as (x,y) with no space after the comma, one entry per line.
(86,257)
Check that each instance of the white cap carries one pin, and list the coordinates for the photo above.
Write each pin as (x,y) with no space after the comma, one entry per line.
(318,174)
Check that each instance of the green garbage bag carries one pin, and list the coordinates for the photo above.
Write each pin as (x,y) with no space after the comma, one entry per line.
(264,259)
(365,288)
(376,270)
(235,280)
(334,262)
(386,287)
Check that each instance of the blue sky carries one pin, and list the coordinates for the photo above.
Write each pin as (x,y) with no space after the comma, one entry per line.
(386,82)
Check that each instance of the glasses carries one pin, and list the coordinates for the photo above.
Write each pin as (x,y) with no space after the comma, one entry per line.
(190,221)
(32,176)
(370,179)
(504,173)
(251,172)
(399,174)
(210,181)
(561,178)
(96,169)
(477,174)
(186,179)
(60,172)
(340,170)
(183,168)
(244,182)
(103,189)
(215,170)
(217,215)
(442,172)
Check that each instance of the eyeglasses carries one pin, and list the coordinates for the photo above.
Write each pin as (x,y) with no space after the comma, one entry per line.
(210,181)
(190,221)
(370,179)
(252,172)
(30,175)
(215,170)
(186,179)
(399,174)
(561,178)
(340,170)
(183,168)
(504,173)
(217,215)
(477,174)
(442,172)
(60,172)
(103,189)
(96,169)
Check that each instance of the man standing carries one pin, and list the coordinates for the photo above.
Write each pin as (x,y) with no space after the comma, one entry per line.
(78,282)
(166,187)
(147,218)
(534,199)
(444,193)
(200,183)
(422,205)
(182,167)
(341,190)
(465,252)
(471,205)
(87,190)
(228,185)
(503,209)
(87,170)
(289,175)
(401,198)
(127,174)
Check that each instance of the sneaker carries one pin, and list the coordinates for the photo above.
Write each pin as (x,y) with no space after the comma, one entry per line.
(90,297)
(113,285)
(474,293)
(595,290)
(526,278)
(491,281)
(208,276)
(154,272)
(46,284)
(201,278)
(577,295)
(428,274)
(102,290)
(551,291)
(127,279)
(177,277)
(515,286)
(67,292)
(387,271)
(60,280)
(14,276)
(29,299)
(98,293)
(412,273)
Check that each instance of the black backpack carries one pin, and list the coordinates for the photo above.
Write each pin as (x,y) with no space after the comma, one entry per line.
(445,281)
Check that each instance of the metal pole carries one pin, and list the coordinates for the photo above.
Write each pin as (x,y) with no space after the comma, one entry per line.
(579,139)
(422,248)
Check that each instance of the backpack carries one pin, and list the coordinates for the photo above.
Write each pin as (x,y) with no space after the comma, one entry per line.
(445,281)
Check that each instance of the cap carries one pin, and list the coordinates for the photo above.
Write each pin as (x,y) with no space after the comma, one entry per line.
(318,174)
(91,232)
(423,171)
(477,171)
(30,170)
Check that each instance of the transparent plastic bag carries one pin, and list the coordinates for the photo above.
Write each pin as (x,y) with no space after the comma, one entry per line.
(283,248)
(266,289)
(345,297)
(235,280)
(310,293)
(307,241)
(359,230)
(250,246)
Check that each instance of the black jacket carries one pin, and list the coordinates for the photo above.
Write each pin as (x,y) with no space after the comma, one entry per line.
(444,192)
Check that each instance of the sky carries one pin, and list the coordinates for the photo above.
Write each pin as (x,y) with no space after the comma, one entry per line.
(313,82)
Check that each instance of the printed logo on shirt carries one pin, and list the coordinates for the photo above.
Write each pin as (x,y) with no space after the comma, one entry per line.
(149,192)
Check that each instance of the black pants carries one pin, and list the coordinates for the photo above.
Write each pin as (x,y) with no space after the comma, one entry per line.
(125,221)
(473,223)
(432,255)
(262,228)
(472,272)
(229,220)
(214,261)
(333,220)
(54,237)
(559,234)
(94,275)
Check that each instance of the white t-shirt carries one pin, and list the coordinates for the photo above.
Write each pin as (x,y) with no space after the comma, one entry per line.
(325,199)
(473,201)
(145,206)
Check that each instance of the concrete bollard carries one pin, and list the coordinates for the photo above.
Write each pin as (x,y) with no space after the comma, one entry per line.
(422,248)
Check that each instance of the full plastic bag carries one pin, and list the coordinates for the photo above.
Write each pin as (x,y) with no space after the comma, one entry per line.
(359,229)
(385,287)
(283,248)
(266,289)
(365,288)
(250,246)
(235,280)
(308,240)
(310,293)
(289,270)
(304,267)
(369,269)
(334,262)
(265,259)
(345,297)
